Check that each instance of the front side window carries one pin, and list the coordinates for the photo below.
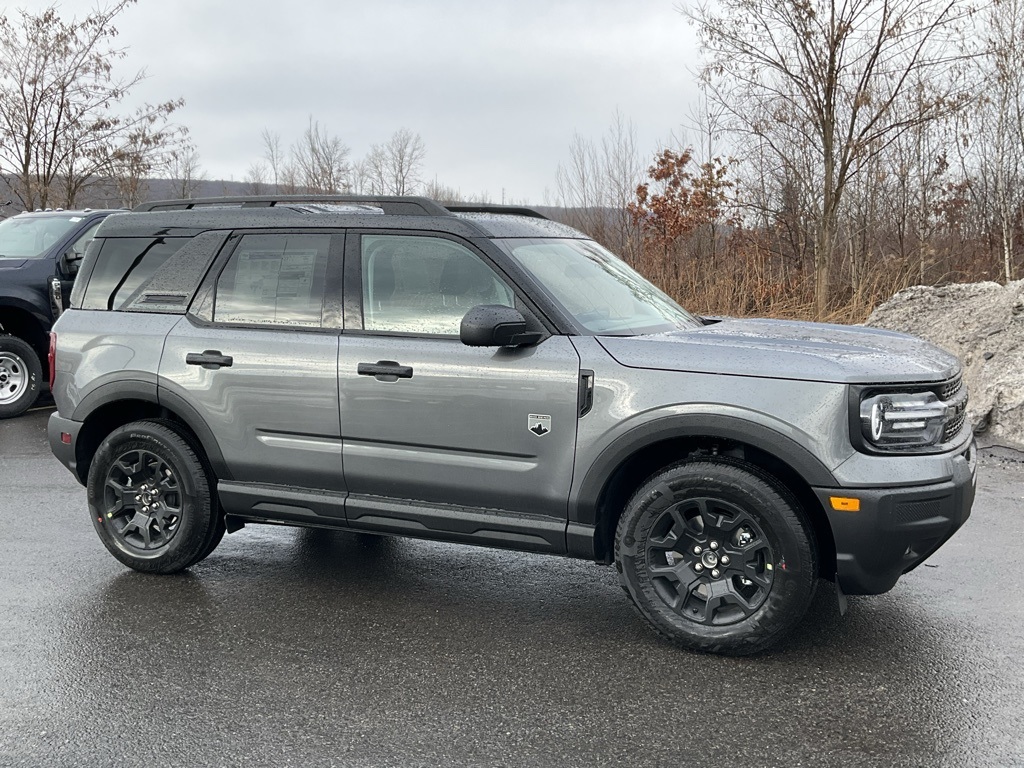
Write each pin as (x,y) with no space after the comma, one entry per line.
(30,237)
(424,285)
(602,293)
(274,280)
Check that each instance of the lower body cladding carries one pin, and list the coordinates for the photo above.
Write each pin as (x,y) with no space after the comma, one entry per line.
(272,504)
(882,533)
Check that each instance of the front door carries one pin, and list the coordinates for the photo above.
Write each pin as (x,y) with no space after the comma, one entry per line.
(471,443)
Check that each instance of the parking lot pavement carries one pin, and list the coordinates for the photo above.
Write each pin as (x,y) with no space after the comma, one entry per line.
(304,648)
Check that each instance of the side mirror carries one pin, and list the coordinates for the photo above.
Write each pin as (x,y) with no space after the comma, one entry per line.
(495,325)
(70,261)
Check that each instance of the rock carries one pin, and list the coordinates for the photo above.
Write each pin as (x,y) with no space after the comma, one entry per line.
(983,324)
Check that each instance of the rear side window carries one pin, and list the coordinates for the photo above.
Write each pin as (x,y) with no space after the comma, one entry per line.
(124,264)
(274,280)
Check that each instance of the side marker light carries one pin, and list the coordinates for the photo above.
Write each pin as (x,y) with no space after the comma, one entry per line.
(844,504)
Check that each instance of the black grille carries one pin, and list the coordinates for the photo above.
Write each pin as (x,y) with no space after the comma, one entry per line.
(913,511)
(953,426)
(952,391)
(950,388)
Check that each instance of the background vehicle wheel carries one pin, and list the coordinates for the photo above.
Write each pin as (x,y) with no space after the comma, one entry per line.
(150,497)
(717,556)
(20,376)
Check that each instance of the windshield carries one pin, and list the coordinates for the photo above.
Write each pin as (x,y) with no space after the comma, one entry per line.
(29,237)
(597,288)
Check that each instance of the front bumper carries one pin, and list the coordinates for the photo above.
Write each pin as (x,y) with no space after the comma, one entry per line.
(64,451)
(897,528)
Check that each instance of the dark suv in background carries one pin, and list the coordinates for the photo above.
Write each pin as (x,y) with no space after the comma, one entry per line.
(39,257)
(487,376)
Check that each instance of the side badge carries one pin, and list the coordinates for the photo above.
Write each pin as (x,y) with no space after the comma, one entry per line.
(539,424)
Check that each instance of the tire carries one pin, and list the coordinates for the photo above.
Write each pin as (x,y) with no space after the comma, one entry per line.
(151,499)
(717,556)
(20,376)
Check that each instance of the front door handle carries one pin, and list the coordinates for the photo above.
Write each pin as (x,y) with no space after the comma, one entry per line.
(211,359)
(385,370)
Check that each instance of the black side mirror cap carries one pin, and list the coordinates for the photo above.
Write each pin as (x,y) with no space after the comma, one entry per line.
(70,261)
(495,325)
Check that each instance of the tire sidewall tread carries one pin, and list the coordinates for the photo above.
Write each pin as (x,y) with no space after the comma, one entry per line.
(784,524)
(23,350)
(197,518)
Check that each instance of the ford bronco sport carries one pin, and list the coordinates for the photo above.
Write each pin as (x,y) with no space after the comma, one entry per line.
(482,374)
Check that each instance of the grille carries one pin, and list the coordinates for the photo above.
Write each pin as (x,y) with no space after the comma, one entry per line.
(950,388)
(953,427)
(912,511)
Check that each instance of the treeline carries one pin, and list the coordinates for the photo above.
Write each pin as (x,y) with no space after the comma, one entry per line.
(842,151)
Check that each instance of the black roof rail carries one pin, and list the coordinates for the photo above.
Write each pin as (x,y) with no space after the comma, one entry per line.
(512,210)
(406,206)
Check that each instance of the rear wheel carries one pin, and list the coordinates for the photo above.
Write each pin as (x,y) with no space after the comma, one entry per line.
(150,498)
(717,557)
(20,376)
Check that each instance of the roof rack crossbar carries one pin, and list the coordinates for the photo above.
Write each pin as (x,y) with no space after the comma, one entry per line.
(407,206)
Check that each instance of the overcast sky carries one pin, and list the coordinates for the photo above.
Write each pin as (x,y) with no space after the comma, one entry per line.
(495,89)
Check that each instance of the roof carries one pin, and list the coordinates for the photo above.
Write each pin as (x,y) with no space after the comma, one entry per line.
(185,218)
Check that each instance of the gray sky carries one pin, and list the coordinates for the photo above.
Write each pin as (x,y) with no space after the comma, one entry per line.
(495,89)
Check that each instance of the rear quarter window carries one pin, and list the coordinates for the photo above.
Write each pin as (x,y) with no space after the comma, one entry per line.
(124,264)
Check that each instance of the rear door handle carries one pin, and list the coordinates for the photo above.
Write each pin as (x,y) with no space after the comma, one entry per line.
(211,359)
(385,370)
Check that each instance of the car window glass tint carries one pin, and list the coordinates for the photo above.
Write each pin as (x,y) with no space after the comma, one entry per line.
(123,265)
(274,280)
(29,237)
(82,242)
(424,284)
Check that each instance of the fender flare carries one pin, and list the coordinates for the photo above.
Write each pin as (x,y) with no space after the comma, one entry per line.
(148,391)
(771,441)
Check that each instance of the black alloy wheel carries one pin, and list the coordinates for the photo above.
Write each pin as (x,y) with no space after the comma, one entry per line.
(150,493)
(710,561)
(717,556)
(142,500)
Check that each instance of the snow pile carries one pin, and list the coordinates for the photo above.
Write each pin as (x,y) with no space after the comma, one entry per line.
(983,324)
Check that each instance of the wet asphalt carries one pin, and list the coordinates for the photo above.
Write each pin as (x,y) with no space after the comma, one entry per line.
(289,647)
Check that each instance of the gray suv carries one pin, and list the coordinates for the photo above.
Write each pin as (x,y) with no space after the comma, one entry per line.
(488,376)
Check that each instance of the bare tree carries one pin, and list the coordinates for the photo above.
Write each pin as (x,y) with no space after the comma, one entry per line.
(599,182)
(394,168)
(59,131)
(828,80)
(274,156)
(321,161)
(185,172)
(256,179)
(1000,119)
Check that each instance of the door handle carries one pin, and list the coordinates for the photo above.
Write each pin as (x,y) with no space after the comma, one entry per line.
(211,359)
(385,370)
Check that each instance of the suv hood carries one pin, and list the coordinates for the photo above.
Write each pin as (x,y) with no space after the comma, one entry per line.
(783,349)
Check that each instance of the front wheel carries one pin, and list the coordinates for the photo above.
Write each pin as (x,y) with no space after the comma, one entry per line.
(20,376)
(150,498)
(717,556)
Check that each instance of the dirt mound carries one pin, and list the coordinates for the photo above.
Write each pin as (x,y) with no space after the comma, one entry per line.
(983,324)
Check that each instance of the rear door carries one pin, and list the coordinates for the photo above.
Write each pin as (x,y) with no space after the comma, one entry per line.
(443,439)
(256,359)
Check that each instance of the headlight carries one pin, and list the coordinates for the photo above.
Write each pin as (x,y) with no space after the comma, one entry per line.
(903,420)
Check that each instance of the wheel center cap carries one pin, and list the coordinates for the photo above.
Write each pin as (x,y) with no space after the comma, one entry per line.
(709,558)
